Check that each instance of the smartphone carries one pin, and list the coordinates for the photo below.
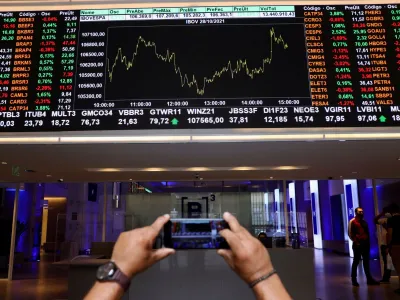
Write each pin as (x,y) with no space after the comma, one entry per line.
(195,234)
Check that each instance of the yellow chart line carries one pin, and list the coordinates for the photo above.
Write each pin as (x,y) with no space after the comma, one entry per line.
(170,57)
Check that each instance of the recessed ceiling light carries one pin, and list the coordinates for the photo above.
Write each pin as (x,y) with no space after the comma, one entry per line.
(6,163)
(48,175)
(201,178)
(271,177)
(243,169)
(3,162)
(130,179)
(342,140)
(108,170)
(341,176)
(288,168)
(198,169)
(154,169)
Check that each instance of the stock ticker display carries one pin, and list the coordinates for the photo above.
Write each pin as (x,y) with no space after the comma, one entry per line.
(200,67)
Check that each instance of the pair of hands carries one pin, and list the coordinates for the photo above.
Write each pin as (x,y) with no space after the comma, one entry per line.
(133,251)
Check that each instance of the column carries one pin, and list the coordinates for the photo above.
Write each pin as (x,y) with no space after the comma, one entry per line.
(378,227)
(351,198)
(13,233)
(104,220)
(316,215)
(285,211)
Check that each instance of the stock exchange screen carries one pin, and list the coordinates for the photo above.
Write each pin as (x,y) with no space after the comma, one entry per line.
(200,67)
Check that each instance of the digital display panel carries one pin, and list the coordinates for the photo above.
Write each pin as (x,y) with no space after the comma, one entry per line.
(200,67)
(195,234)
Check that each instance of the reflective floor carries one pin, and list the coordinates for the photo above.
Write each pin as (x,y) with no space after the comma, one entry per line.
(43,281)
(332,274)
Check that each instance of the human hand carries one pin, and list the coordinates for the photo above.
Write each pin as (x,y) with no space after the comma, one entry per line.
(247,257)
(133,253)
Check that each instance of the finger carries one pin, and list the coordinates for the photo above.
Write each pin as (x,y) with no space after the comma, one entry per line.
(226,254)
(162,253)
(158,225)
(243,233)
(232,221)
(233,240)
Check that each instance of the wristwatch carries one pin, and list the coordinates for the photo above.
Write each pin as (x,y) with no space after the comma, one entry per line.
(110,272)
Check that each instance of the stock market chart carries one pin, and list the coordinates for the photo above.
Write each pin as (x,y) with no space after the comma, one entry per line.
(200,67)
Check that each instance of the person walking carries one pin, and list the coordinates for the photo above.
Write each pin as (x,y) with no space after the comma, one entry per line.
(359,234)
(382,220)
(393,239)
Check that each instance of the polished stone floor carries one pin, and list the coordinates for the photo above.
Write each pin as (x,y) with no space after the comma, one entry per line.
(44,281)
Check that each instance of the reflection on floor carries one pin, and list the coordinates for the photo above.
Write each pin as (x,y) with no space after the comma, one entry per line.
(332,273)
(36,281)
(43,281)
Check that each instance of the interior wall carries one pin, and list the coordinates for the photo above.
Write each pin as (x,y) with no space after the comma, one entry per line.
(84,223)
(329,188)
(6,209)
(303,205)
(336,187)
(29,216)
(388,193)
(326,216)
(56,206)
(56,190)
(303,202)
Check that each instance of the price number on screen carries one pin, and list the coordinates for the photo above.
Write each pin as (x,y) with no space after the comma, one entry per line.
(334,119)
(90,122)
(94,34)
(60,123)
(277,119)
(7,124)
(33,123)
(238,120)
(127,122)
(205,120)
(159,121)
(304,119)
(367,118)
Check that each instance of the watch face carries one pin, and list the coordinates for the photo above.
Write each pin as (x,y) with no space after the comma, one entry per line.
(106,271)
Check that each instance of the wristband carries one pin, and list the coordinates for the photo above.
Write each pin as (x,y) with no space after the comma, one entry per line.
(262,278)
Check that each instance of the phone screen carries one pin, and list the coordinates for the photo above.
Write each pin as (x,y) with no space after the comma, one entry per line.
(195,234)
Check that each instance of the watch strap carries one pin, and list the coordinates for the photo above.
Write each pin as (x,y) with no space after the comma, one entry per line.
(122,279)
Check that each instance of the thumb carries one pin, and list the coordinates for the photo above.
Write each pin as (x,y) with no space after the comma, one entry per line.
(160,254)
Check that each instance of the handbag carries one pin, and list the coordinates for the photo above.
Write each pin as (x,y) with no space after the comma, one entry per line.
(390,265)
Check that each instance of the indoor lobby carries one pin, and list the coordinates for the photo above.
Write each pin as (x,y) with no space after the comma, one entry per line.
(64,218)
(283,113)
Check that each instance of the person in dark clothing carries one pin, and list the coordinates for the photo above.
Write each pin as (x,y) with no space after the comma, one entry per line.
(359,234)
(393,239)
(382,220)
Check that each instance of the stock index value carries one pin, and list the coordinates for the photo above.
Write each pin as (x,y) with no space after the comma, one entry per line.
(200,67)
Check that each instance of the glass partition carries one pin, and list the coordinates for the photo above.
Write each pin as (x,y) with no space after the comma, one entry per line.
(258,205)
(6,217)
